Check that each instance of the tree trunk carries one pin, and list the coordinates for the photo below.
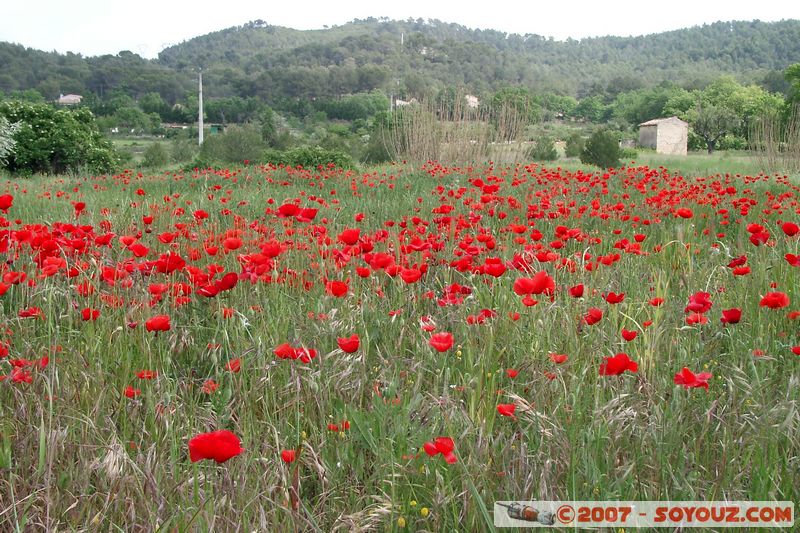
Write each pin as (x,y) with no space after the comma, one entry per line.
(711,145)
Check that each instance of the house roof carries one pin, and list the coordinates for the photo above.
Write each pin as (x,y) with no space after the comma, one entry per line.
(657,121)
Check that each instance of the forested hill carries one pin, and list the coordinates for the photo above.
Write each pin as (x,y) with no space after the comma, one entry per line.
(420,53)
(411,57)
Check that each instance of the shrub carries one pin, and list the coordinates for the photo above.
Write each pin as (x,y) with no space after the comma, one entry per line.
(628,154)
(544,149)
(155,156)
(235,145)
(575,144)
(183,150)
(601,150)
(308,157)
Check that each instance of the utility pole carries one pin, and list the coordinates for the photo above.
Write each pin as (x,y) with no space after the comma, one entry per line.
(200,110)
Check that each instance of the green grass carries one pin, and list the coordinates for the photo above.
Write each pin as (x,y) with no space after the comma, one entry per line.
(76,454)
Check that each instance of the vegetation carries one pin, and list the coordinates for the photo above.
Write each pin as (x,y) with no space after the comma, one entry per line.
(601,150)
(7,142)
(543,149)
(50,140)
(575,144)
(392,350)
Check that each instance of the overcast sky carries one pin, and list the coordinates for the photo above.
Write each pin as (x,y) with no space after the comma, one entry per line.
(93,27)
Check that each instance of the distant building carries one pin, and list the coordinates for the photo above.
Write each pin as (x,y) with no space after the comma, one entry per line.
(472,101)
(665,135)
(402,103)
(69,99)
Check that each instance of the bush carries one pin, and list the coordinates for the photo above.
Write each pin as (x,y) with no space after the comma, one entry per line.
(55,141)
(628,154)
(544,149)
(601,150)
(308,157)
(183,150)
(155,156)
(235,145)
(377,149)
(575,144)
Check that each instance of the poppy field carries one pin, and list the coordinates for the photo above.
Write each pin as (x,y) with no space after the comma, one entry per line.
(282,349)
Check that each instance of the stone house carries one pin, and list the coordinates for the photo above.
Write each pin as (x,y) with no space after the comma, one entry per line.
(665,135)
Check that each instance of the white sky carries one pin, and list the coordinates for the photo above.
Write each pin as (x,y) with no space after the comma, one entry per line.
(93,27)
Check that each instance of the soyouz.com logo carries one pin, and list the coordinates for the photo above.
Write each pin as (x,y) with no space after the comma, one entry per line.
(633,514)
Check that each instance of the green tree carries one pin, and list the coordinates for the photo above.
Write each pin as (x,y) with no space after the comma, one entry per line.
(792,75)
(153,103)
(591,109)
(269,125)
(520,101)
(713,123)
(601,150)
(51,140)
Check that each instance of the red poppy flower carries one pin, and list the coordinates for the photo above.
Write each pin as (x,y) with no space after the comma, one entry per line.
(147,374)
(210,386)
(410,275)
(506,409)
(629,335)
(774,300)
(217,445)
(731,316)
(699,302)
(349,236)
(576,291)
(614,298)
(132,393)
(512,373)
(540,283)
(234,365)
(737,261)
(593,316)
(158,323)
(796,349)
(336,288)
(558,358)
(288,456)
(655,302)
(442,341)
(790,229)
(696,318)
(443,445)
(614,366)
(6,201)
(684,212)
(689,379)
(31,312)
(89,314)
(349,344)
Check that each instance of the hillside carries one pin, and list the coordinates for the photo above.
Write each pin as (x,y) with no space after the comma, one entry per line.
(411,57)
(415,55)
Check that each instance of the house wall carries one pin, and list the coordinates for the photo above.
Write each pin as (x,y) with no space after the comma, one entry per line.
(672,139)
(648,136)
